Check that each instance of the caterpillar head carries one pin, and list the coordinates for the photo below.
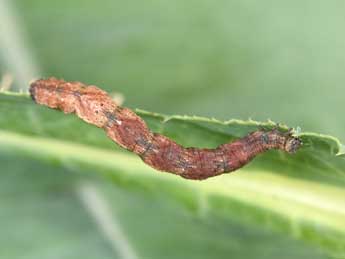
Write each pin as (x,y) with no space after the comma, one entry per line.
(292,144)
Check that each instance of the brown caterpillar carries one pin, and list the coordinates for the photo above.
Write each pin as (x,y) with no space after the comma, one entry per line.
(128,130)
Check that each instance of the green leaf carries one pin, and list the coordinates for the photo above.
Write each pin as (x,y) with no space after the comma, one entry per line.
(296,201)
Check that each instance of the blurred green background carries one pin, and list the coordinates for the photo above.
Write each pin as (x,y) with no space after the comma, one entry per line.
(282,60)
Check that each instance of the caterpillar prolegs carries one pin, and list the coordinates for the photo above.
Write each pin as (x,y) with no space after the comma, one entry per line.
(128,130)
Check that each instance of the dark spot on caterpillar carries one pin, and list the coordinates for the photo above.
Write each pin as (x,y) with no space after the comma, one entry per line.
(183,163)
(226,167)
(142,142)
(156,150)
(147,148)
(264,138)
(76,93)
(59,90)
(111,118)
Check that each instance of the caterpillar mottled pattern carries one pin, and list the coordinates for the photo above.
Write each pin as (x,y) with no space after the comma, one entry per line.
(128,130)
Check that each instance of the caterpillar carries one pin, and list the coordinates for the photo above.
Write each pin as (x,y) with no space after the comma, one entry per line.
(129,131)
